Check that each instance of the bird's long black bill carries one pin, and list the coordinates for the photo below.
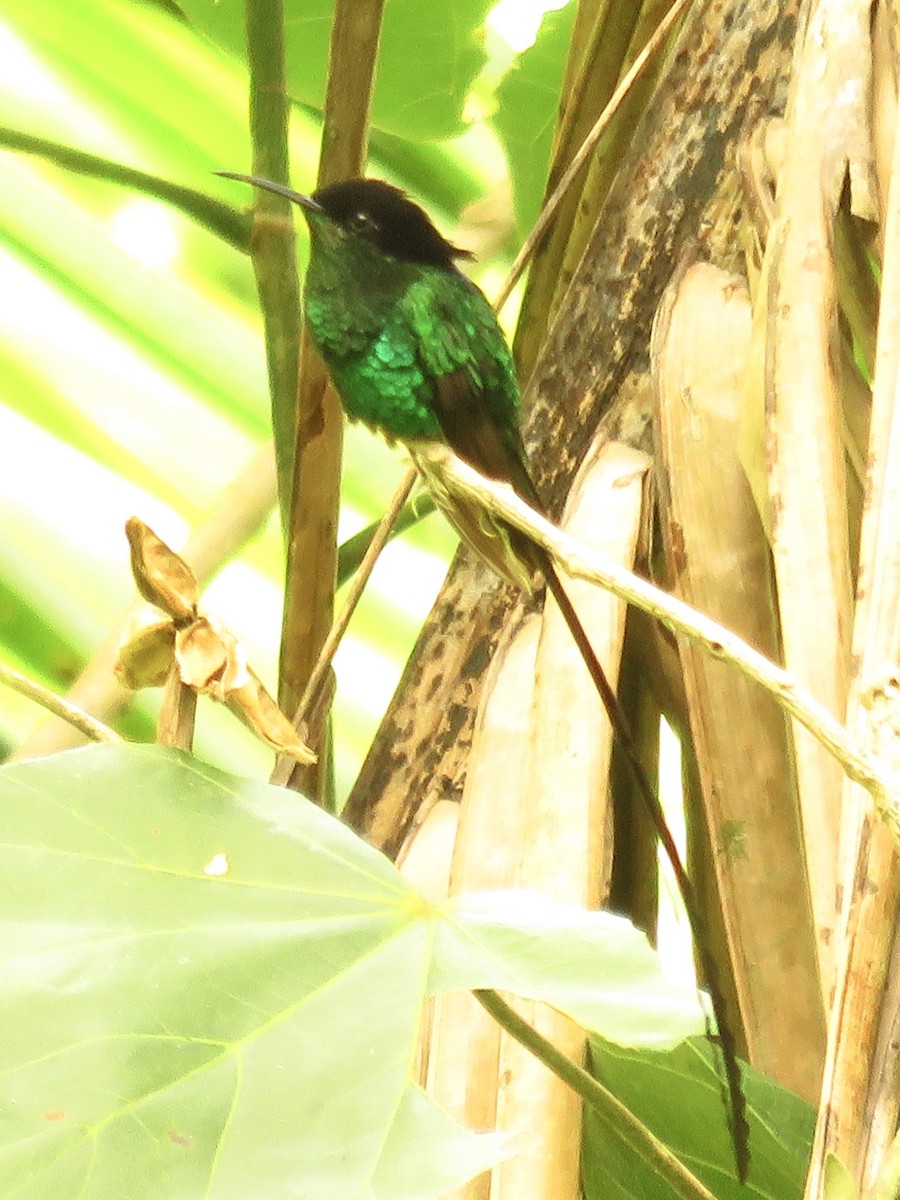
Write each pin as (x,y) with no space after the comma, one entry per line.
(269,185)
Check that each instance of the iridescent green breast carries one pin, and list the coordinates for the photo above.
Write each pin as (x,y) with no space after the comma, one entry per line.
(385,386)
(384,350)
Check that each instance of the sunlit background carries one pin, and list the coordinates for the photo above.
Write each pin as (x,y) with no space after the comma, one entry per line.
(132,374)
(103,416)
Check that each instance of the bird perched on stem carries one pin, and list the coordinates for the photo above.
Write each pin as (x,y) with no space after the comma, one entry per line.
(414,351)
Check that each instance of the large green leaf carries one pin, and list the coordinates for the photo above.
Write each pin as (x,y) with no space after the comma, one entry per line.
(678,1096)
(426,63)
(208,981)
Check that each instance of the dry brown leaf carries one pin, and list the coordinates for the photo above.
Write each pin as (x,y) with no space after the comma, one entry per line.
(145,650)
(719,562)
(162,578)
(204,652)
(213,661)
(209,659)
(256,708)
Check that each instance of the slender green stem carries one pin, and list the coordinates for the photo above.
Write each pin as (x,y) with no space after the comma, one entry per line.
(607,1106)
(95,730)
(273,247)
(226,222)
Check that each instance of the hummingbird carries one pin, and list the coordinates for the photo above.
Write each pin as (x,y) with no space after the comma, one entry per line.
(415,352)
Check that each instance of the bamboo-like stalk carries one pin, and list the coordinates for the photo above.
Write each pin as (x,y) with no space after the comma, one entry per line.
(535,814)
(272,245)
(858,1112)
(315,500)
(719,563)
(463,1053)
(601,171)
(425,860)
(600,39)
(807,472)
(885,72)
(566,850)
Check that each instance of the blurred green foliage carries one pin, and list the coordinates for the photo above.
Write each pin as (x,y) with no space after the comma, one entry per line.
(132,372)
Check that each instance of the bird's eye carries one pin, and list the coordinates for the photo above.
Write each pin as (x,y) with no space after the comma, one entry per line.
(361,222)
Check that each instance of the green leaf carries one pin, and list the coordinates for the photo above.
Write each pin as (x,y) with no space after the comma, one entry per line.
(525,943)
(210,980)
(839,1183)
(678,1095)
(425,66)
(527,109)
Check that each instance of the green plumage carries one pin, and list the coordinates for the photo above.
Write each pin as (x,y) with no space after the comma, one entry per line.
(414,350)
(404,328)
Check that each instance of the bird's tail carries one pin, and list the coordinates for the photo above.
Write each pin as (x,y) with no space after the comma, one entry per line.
(519,560)
(738,1126)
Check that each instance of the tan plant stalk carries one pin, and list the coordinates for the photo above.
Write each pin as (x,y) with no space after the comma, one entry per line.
(719,562)
(826,129)
(535,814)
(587,147)
(858,1112)
(315,495)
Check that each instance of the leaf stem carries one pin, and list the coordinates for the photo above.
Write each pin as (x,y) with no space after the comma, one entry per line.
(273,247)
(71,713)
(226,222)
(608,1107)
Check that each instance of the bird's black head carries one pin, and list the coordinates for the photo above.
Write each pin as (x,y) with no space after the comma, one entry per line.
(386,217)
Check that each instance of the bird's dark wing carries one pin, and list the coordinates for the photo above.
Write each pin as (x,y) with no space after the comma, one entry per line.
(476,394)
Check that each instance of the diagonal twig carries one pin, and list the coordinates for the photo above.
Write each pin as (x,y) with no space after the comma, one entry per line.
(582,563)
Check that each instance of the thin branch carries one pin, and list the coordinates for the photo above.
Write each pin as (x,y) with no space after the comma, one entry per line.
(360,581)
(273,246)
(352,552)
(679,617)
(312,554)
(627,1126)
(91,728)
(587,148)
(309,701)
(226,222)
